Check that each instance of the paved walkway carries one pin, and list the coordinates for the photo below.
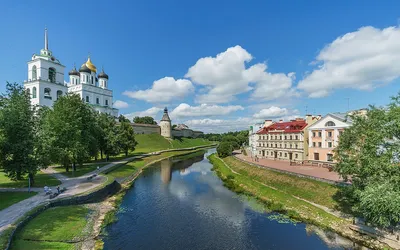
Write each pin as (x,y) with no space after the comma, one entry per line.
(75,185)
(312,171)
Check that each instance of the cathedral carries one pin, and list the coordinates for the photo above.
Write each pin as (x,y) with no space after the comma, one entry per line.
(46,82)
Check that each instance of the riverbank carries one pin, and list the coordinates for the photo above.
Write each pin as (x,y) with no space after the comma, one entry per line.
(279,195)
(129,171)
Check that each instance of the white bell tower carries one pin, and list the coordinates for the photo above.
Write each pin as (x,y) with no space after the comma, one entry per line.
(45,81)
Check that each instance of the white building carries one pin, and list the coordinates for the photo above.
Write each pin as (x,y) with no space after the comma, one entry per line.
(253,138)
(46,82)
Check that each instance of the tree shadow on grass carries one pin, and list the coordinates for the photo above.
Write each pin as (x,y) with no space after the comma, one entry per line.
(343,200)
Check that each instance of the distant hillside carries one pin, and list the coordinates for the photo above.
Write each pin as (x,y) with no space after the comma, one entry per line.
(155,142)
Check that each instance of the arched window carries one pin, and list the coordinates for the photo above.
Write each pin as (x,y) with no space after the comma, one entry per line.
(87,98)
(47,93)
(52,74)
(34,72)
(330,124)
(59,93)
(106,102)
(92,80)
(97,101)
(34,92)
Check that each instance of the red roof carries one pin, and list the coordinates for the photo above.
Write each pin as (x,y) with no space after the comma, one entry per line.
(294,126)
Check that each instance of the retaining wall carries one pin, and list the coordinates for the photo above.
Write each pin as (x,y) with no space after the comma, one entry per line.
(96,196)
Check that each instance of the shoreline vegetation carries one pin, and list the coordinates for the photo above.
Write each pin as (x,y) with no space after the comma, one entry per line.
(301,199)
(102,213)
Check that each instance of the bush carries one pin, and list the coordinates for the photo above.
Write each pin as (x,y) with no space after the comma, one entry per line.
(224,149)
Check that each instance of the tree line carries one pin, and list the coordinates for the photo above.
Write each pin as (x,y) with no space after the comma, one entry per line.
(69,133)
(229,141)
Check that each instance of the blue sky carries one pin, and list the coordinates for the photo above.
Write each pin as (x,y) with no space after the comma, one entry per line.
(275,57)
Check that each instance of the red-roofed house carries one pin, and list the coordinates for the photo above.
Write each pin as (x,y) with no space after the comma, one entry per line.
(285,140)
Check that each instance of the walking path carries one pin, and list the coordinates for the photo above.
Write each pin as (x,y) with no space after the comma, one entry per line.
(311,171)
(74,185)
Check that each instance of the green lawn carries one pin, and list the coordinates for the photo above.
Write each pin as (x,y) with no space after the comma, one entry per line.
(9,198)
(278,200)
(41,180)
(130,168)
(316,191)
(55,224)
(80,170)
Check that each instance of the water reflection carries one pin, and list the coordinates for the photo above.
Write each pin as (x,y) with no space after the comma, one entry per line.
(182,196)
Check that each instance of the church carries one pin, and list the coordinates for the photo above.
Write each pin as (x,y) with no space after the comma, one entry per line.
(46,82)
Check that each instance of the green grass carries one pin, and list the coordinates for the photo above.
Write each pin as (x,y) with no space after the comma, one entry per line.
(316,191)
(9,198)
(58,225)
(126,170)
(276,200)
(41,180)
(80,170)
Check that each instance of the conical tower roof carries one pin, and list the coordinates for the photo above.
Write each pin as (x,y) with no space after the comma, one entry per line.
(165,116)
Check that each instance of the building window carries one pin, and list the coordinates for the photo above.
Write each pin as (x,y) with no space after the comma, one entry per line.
(330,124)
(285,154)
(259,137)
(28,91)
(340,132)
(280,153)
(313,144)
(87,98)
(296,145)
(34,72)
(34,92)
(290,145)
(97,101)
(295,156)
(319,134)
(106,102)
(285,137)
(329,134)
(92,80)
(280,137)
(272,153)
(52,74)
(313,134)
(319,144)
(59,93)
(276,145)
(316,156)
(329,157)
(47,93)
(297,137)
(290,137)
(329,144)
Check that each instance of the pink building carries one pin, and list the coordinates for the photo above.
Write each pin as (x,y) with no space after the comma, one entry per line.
(324,136)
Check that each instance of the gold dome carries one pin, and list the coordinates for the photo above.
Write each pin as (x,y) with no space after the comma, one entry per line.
(90,65)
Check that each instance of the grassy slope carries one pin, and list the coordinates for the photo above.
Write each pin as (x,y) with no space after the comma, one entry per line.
(311,190)
(41,180)
(132,167)
(9,198)
(278,200)
(55,224)
(80,170)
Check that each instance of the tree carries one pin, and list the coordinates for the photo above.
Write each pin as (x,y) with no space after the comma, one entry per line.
(368,155)
(144,120)
(108,135)
(72,131)
(17,138)
(232,140)
(224,149)
(126,135)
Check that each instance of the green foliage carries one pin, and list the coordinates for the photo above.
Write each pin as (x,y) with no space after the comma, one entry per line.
(17,134)
(71,131)
(224,149)
(368,154)
(126,136)
(241,137)
(144,120)
(107,135)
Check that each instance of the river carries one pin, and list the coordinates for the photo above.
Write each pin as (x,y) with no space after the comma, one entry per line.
(179,203)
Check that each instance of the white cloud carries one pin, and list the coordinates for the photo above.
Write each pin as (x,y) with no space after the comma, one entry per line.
(120,104)
(271,112)
(153,112)
(166,89)
(362,59)
(185,110)
(220,126)
(226,75)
